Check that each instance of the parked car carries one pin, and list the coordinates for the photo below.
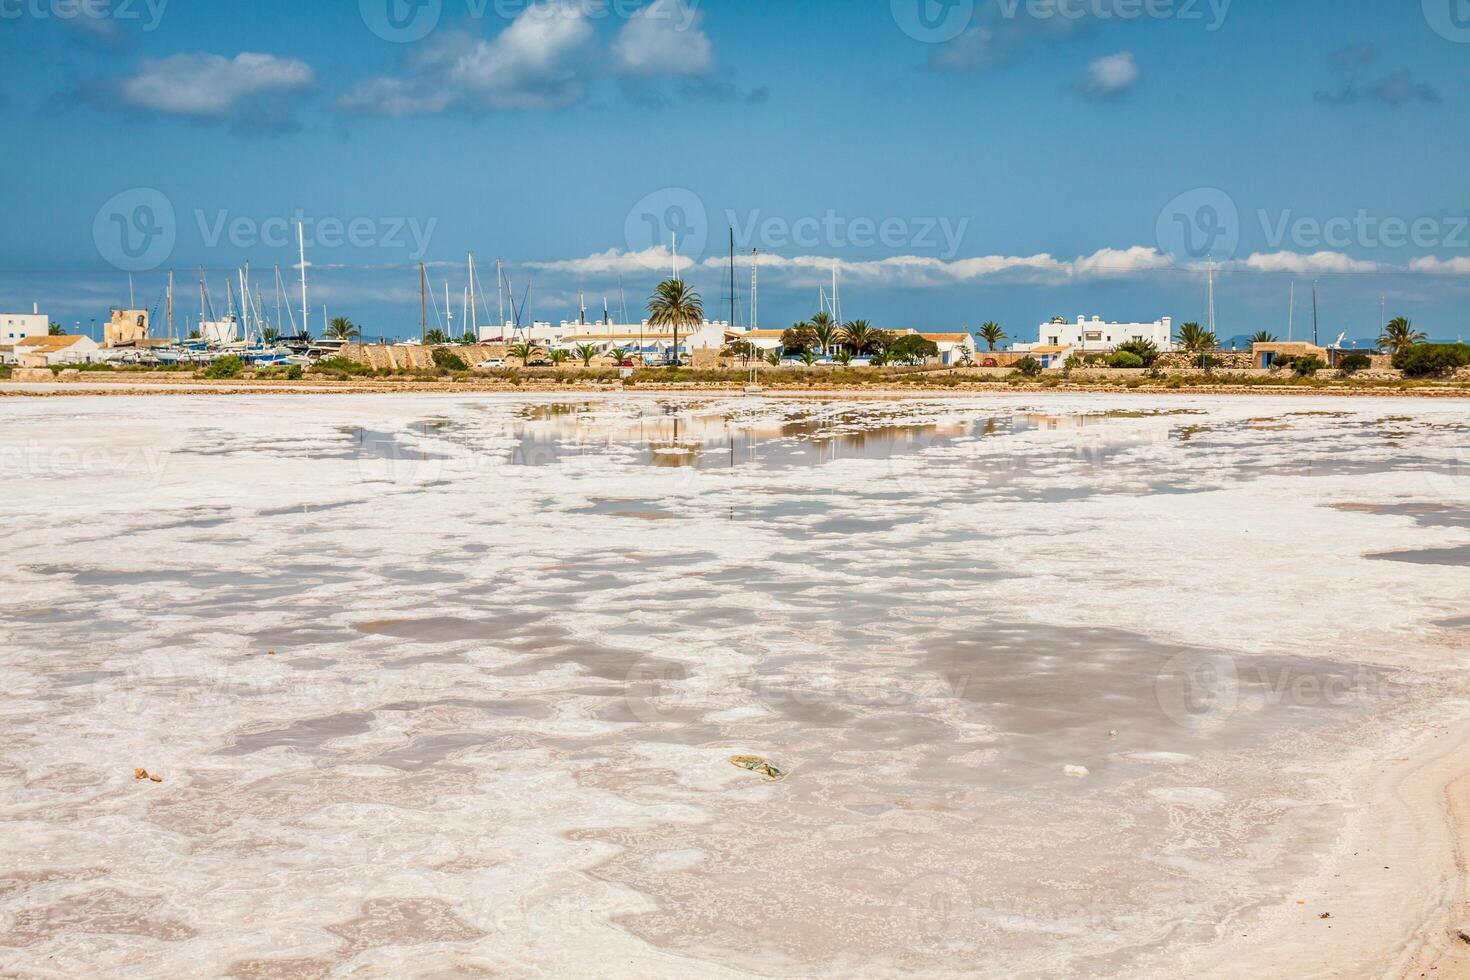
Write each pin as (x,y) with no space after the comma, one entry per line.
(539,362)
(490,364)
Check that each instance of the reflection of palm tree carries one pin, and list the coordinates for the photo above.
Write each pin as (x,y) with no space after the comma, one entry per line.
(524,351)
(1400,335)
(342,328)
(858,334)
(992,334)
(675,305)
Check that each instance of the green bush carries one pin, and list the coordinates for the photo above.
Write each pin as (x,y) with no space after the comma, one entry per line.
(1354,363)
(1028,367)
(341,365)
(1125,359)
(228,366)
(1305,367)
(448,360)
(1144,350)
(1432,360)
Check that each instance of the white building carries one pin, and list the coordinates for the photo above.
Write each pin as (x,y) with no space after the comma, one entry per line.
(15,327)
(540,333)
(1096,336)
(656,343)
(45,351)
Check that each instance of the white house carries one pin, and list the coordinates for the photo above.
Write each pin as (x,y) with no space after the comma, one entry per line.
(1097,336)
(15,327)
(954,348)
(46,351)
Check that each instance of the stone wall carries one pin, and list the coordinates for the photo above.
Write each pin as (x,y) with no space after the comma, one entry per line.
(405,357)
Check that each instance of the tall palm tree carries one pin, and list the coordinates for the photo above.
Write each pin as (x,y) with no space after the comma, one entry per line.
(1400,335)
(992,334)
(1263,337)
(342,328)
(826,330)
(1195,339)
(585,352)
(674,304)
(858,334)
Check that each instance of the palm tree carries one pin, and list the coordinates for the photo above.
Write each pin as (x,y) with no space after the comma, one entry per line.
(675,305)
(468,339)
(558,356)
(524,351)
(858,334)
(341,328)
(1263,337)
(270,335)
(435,336)
(773,357)
(586,352)
(808,357)
(843,357)
(992,334)
(1400,335)
(1195,339)
(619,354)
(826,330)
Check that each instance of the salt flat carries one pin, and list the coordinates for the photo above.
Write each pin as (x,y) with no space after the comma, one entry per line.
(438,685)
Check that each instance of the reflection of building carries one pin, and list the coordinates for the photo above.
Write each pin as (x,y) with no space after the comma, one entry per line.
(65,349)
(126,328)
(15,327)
(1096,336)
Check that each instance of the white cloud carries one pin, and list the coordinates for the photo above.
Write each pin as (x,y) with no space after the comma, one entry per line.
(664,38)
(1110,76)
(1458,266)
(898,270)
(1296,263)
(533,64)
(209,86)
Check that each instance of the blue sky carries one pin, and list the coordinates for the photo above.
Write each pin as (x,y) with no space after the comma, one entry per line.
(962,161)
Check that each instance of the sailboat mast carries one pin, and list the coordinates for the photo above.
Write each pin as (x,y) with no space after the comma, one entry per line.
(1291,313)
(500,295)
(423,304)
(301,242)
(474,313)
(732,278)
(170,304)
(1314,312)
